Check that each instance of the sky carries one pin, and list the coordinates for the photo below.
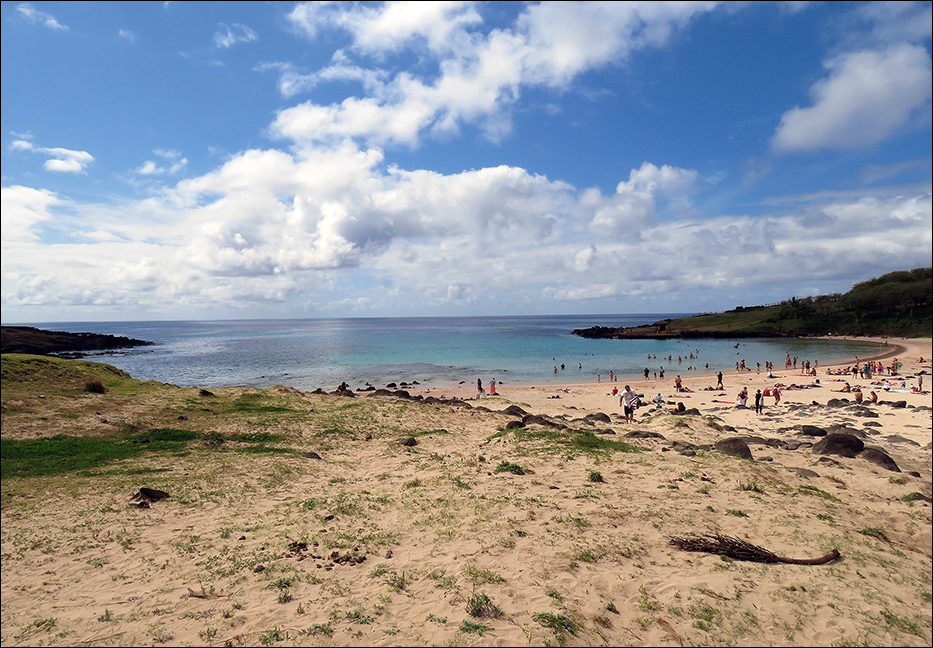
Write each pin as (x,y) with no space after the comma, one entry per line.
(221,160)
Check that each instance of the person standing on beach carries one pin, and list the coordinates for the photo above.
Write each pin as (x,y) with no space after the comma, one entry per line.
(719,381)
(777,395)
(678,384)
(646,373)
(479,388)
(627,401)
(492,387)
(759,405)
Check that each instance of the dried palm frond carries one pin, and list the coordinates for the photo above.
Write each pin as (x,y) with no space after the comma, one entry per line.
(717,543)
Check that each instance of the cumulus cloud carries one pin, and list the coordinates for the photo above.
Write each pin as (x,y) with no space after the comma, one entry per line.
(270,227)
(867,97)
(635,204)
(32,15)
(229,35)
(62,159)
(481,72)
(23,209)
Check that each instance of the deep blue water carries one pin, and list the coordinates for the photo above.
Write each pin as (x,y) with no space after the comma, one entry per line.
(434,351)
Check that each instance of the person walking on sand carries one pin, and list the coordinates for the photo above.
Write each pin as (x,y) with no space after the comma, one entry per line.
(627,401)
(719,381)
(776,392)
(759,405)
(480,393)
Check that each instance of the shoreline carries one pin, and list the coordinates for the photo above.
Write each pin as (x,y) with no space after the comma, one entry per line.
(901,347)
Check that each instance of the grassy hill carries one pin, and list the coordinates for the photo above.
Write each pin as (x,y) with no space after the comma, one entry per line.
(897,304)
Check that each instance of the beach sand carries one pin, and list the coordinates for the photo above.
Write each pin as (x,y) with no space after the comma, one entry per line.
(440,543)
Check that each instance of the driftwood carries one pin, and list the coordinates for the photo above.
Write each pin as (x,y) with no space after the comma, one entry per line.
(717,543)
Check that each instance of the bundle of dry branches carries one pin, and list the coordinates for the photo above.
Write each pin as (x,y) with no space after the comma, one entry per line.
(717,543)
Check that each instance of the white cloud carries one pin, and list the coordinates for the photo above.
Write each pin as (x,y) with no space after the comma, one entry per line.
(634,206)
(868,97)
(898,22)
(23,208)
(127,35)
(229,35)
(292,81)
(36,17)
(567,38)
(176,164)
(62,160)
(270,228)
(480,73)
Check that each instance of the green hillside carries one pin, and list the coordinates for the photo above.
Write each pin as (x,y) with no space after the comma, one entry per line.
(897,304)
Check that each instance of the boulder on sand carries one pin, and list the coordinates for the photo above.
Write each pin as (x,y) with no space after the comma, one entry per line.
(839,443)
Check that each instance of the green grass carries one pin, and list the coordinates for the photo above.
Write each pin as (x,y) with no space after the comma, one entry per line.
(584,441)
(596,477)
(467,626)
(559,623)
(875,532)
(479,576)
(482,606)
(63,454)
(813,490)
(507,466)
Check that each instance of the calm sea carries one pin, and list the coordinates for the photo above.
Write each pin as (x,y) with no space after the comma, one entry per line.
(434,351)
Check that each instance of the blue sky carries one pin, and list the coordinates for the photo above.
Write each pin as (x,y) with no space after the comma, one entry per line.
(210,160)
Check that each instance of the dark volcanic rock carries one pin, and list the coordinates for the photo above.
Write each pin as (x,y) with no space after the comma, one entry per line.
(534,419)
(640,434)
(839,443)
(687,412)
(812,430)
(734,447)
(804,472)
(514,410)
(880,458)
(26,339)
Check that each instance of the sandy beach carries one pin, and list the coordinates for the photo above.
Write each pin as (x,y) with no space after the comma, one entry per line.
(446,521)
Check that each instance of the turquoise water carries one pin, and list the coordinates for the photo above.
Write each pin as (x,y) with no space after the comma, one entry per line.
(434,351)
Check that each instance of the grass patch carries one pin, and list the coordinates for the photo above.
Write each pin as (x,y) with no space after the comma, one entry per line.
(479,576)
(63,453)
(472,627)
(813,490)
(875,532)
(507,466)
(584,440)
(751,486)
(482,606)
(559,623)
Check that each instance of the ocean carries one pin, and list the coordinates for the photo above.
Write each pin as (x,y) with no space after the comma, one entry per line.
(434,352)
